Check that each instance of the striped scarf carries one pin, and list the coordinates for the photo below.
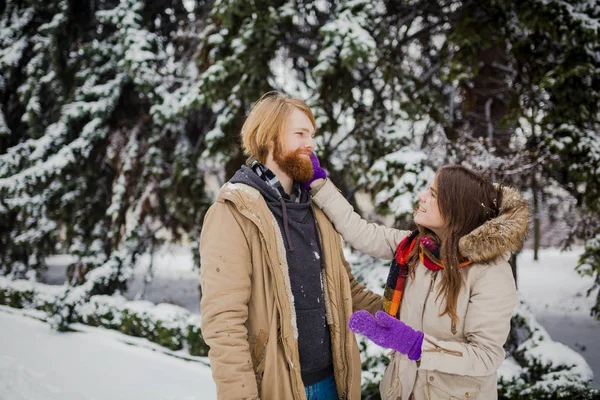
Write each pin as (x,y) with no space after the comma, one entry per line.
(268,176)
(430,256)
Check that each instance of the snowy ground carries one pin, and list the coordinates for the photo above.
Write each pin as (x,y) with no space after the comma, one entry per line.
(36,363)
(175,281)
(556,294)
(39,364)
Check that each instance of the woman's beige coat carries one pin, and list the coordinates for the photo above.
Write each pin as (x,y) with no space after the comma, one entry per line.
(452,366)
(247,307)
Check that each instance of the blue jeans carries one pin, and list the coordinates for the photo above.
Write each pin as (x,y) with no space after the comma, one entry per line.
(322,390)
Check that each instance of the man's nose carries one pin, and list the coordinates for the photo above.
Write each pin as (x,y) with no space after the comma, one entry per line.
(311,144)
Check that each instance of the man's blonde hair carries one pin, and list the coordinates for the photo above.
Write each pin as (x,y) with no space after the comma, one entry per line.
(267,121)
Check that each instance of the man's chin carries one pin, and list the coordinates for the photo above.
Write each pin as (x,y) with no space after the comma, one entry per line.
(303,171)
(302,175)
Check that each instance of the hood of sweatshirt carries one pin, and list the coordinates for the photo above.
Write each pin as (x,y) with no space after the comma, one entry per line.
(283,209)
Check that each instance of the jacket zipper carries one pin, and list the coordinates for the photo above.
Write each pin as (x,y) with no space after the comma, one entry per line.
(437,348)
(431,286)
(286,348)
(344,354)
(345,373)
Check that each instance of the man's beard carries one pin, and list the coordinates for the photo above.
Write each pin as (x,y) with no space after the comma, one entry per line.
(296,166)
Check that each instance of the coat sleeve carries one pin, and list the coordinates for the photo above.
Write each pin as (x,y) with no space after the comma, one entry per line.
(225,280)
(486,327)
(369,238)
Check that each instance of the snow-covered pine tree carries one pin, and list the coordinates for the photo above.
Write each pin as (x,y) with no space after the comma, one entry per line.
(103,149)
(241,41)
(112,111)
(386,80)
(25,81)
(556,48)
(359,104)
(506,87)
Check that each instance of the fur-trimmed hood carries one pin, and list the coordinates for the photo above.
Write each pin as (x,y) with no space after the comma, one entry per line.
(501,235)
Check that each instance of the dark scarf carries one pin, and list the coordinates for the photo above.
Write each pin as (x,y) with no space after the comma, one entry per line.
(430,256)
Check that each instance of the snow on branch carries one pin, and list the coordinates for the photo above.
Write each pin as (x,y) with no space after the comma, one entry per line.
(347,39)
(397,178)
(4,129)
(42,171)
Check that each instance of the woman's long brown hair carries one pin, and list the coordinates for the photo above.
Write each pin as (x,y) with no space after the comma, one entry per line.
(466,200)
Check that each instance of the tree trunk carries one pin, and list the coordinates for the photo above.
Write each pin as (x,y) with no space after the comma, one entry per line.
(491,95)
(536,216)
(513,266)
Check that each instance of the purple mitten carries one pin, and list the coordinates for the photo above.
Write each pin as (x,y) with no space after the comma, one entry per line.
(318,172)
(388,332)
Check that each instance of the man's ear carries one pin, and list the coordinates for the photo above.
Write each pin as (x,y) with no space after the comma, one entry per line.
(274,147)
(263,154)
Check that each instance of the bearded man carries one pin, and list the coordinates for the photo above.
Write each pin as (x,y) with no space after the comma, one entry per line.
(277,292)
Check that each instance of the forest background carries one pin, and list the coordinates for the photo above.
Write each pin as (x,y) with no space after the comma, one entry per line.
(119,120)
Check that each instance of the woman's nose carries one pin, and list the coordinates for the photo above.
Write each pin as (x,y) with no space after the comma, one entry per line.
(421,196)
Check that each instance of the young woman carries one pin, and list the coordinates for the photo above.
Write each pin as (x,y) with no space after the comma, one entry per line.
(450,293)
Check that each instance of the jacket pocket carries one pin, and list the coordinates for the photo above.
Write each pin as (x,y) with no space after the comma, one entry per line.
(258,349)
(450,386)
(390,387)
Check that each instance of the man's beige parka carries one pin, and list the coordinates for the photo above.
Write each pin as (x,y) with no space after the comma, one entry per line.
(247,307)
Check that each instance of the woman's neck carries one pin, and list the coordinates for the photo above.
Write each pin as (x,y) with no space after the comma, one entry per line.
(440,235)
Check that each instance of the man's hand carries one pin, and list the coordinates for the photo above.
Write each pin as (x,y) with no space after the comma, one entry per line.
(388,332)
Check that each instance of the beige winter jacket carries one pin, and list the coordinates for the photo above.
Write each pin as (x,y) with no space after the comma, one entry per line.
(452,366)
(247,307)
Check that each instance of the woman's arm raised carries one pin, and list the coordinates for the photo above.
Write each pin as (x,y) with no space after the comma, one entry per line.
(370,238)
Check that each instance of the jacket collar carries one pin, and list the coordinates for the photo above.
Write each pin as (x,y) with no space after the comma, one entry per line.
(240,194)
